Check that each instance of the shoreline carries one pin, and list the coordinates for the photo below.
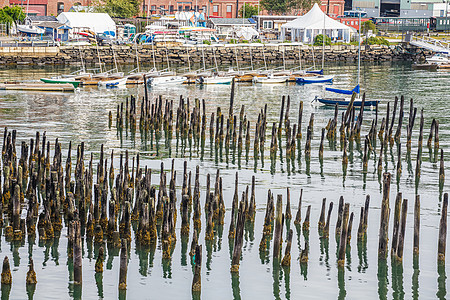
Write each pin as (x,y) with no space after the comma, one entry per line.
(223,54)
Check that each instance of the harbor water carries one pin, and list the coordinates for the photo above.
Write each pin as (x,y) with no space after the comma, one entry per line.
(83,117)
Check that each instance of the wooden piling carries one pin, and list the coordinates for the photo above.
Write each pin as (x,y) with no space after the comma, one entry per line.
(77,254)
(416,226)
(298,216)
(443,230)
(384,218)
(343,236)
(123,266)
(278,228)
(197,280)
(286,262)
(31,274)
(6,272)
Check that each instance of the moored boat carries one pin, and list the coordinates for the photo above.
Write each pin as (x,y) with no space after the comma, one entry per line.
(314,79)
(215,80)
(270,79)
(71,81)
(113,82)
(164,80)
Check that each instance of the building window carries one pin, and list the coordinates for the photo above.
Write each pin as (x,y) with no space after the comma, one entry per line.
(229,13)
(351,22)
(204,8)
(356,22)
(60,7)
(152,8)
(180,7)
(268,24)
(187,8)
(215,10)
(171,8)
(196,8)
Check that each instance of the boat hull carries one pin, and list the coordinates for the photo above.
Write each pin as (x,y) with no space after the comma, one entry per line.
(215,80)
(114,82)
(316,79)
(61,81)
(271,80)
(166,80)
(345,102)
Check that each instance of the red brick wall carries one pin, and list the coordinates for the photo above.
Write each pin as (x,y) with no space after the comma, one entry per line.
(333,7)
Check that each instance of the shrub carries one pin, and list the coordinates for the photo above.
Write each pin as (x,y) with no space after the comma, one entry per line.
(376,41)
(318,40)
(206,42)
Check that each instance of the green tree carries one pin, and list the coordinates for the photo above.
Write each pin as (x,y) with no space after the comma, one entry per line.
(119,8)
(248,10)
(368,25)
(275,6)
(288,6)
(10,15)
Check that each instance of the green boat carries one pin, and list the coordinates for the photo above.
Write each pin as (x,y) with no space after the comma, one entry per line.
(62,81)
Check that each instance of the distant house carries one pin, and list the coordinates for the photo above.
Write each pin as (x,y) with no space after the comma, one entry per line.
(226,26)
(96,22)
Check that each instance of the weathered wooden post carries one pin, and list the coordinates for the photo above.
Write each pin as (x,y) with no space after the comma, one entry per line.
(343,236)
(416,226)
(31,274)
(6,272)
(197,280)
(77,254)
(384,218)
(123,266)
(443,231)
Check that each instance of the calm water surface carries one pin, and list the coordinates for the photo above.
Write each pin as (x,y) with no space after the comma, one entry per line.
(83,117)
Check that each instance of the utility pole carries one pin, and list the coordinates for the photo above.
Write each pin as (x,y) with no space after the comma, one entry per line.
(237,8)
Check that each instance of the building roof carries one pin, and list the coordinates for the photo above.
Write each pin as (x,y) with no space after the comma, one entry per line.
(315,19)
(42,18)
(231,21)
(53,25)
(97,22)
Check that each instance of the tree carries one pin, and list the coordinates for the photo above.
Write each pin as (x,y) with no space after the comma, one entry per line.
(368,25)
(248,10)
(287,6)
(119,8)
(275,6)
(10,15)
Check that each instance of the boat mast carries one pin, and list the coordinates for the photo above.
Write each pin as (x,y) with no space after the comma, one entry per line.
(264,55)
(203,58)
(299,57)
(323,41)
(99,60)
(359,47)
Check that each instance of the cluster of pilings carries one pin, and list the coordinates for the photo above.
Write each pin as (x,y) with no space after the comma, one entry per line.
(102,205)
(231,135)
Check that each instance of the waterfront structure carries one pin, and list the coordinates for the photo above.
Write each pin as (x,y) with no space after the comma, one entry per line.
(96,22)
(305,28)
(226,26)
(401,8)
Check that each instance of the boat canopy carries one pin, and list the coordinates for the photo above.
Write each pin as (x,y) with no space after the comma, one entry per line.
(345,92)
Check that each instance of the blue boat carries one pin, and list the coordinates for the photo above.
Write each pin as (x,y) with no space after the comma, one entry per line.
(314,79)
(318,72)
(344,101)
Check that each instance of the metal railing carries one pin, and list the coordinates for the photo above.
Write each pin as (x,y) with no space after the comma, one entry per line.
(431,43)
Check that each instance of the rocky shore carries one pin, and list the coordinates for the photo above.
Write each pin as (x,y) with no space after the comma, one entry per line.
(223,55)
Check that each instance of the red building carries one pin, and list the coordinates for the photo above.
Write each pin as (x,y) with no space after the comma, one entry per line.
(214,8)
(332,8)
(47,7)
(352,22)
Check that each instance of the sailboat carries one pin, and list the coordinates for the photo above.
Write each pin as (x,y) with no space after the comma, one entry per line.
(320,78)
(355,99)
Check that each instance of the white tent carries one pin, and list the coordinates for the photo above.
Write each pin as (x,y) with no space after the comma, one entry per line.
(96,22)
(306,27)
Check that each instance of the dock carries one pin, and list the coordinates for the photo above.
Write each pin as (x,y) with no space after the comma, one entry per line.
(47,87)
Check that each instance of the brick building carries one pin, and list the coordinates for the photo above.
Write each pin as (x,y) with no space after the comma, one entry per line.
(46,7)
(216,8)
(333,8)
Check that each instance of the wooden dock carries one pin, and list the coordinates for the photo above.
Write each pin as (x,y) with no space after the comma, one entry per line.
(47,87)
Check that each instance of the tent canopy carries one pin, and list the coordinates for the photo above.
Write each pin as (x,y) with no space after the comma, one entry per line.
(97,22)
(312,23)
